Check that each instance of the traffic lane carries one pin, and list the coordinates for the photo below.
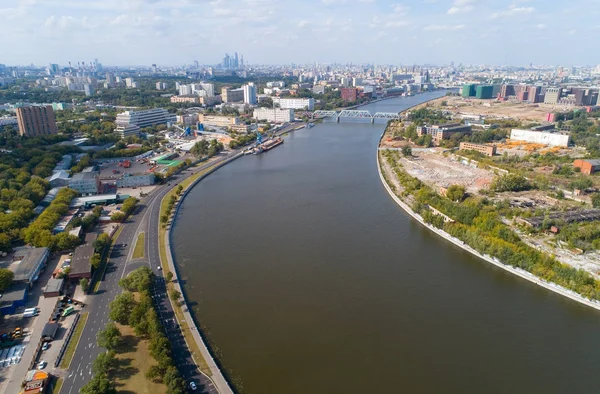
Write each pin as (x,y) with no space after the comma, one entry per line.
(87,351)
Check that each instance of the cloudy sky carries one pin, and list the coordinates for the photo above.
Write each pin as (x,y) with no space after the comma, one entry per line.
(174,32)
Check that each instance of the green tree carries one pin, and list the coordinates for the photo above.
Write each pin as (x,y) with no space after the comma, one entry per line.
(100,384)
(85,284)
(121,307)
(102,242)
(582,183)
(175,295)
(407,151)
(105,363)
(509,182)
(138,280)
(456,193)
(169,276)
(96,260)
(118,217)
(596,200)
(6,278)
(200,148)
(110,337)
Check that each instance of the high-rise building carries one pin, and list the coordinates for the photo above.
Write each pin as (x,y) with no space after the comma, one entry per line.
(469,90)
(88,89)
(154,69)
(552,95)
(236,61)
(209,88)
(185,90)
(250,93)
(129,82)
(161,85)
(36,120)
(110,79)
(226,61)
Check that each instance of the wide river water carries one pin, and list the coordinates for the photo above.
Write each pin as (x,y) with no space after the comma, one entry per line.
(308,278)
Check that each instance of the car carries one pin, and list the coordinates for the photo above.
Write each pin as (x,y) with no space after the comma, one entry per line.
(45,346)
(193,386)
(42,364)
(159,268)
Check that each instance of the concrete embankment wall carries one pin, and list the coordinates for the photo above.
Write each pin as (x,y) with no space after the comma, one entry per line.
(218,377)
(517,271)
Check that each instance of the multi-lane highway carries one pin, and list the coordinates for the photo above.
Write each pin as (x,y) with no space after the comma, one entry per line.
(145,219)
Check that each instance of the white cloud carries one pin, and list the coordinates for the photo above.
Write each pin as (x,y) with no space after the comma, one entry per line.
(513,11)
(458,10)
(443,27)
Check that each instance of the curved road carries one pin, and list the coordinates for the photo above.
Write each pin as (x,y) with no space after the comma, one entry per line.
(145,219)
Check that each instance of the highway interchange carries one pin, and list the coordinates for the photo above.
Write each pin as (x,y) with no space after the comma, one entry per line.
(145,219)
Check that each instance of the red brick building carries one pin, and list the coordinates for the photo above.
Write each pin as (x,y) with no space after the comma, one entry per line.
(349,94)
(587,166)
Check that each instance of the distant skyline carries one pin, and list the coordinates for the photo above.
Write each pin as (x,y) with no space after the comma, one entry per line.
(175,32)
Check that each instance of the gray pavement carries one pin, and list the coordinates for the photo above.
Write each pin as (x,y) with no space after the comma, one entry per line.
(145,219)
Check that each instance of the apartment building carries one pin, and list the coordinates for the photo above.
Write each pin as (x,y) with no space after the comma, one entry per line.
(488,150)
(276,115)
(145,118)
(36,120)
(295,103)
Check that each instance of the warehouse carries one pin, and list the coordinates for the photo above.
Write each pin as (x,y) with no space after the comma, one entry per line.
(540,137)
(587,167)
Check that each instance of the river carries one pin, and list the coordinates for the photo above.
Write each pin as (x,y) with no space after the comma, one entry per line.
(308,278)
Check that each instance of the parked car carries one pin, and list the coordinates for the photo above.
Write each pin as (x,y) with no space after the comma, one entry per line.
(45,346)
(42,364)
(193,386)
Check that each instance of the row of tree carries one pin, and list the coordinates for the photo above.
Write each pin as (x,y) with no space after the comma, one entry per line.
(478,224)
(134,308)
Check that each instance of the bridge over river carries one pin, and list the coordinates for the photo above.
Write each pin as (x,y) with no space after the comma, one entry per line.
(355,114)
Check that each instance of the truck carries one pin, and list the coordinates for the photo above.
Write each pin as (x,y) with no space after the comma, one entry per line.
(30,313)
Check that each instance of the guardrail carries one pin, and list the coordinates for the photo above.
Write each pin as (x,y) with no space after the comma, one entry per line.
(61,352)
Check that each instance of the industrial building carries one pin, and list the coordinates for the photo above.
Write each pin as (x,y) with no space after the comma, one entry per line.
(587,167)
(136,180)
(295,103)
(85,183)
(443,131)
(145,118)
(540,137)
(26,263)
(275,115)
(488,150)
(218,120)
(36,120)
(54,287)
(81,266)
(552,95)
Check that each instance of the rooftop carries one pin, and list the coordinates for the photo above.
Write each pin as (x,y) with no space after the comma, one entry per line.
(24,261)
(54,285)
(84,176)
(80,262)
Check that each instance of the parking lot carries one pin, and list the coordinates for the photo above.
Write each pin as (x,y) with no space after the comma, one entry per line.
(16,364)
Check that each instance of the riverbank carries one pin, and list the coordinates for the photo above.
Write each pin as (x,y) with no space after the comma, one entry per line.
(519,272)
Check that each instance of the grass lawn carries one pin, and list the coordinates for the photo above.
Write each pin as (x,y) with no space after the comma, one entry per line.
(135,360)
(187,333)
(138,252)
(70,351)
(57,386)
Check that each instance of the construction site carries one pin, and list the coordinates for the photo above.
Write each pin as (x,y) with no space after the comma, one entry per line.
(440,171)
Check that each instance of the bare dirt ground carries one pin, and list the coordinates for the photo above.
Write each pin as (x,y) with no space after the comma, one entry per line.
(496,109)
(440,171)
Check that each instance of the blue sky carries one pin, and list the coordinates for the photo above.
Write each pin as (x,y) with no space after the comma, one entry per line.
(172,32)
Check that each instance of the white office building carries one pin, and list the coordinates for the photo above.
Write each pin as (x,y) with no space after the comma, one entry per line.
(145,118)
(275,115)
(295,103)
(250,94)
(85,183)
(136,180)
(128,130)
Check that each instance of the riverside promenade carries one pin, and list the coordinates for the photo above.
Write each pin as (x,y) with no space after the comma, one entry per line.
(517,271)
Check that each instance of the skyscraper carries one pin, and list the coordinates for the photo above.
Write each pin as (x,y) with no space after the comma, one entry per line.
(226,61)
(235,61)
(36,120)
